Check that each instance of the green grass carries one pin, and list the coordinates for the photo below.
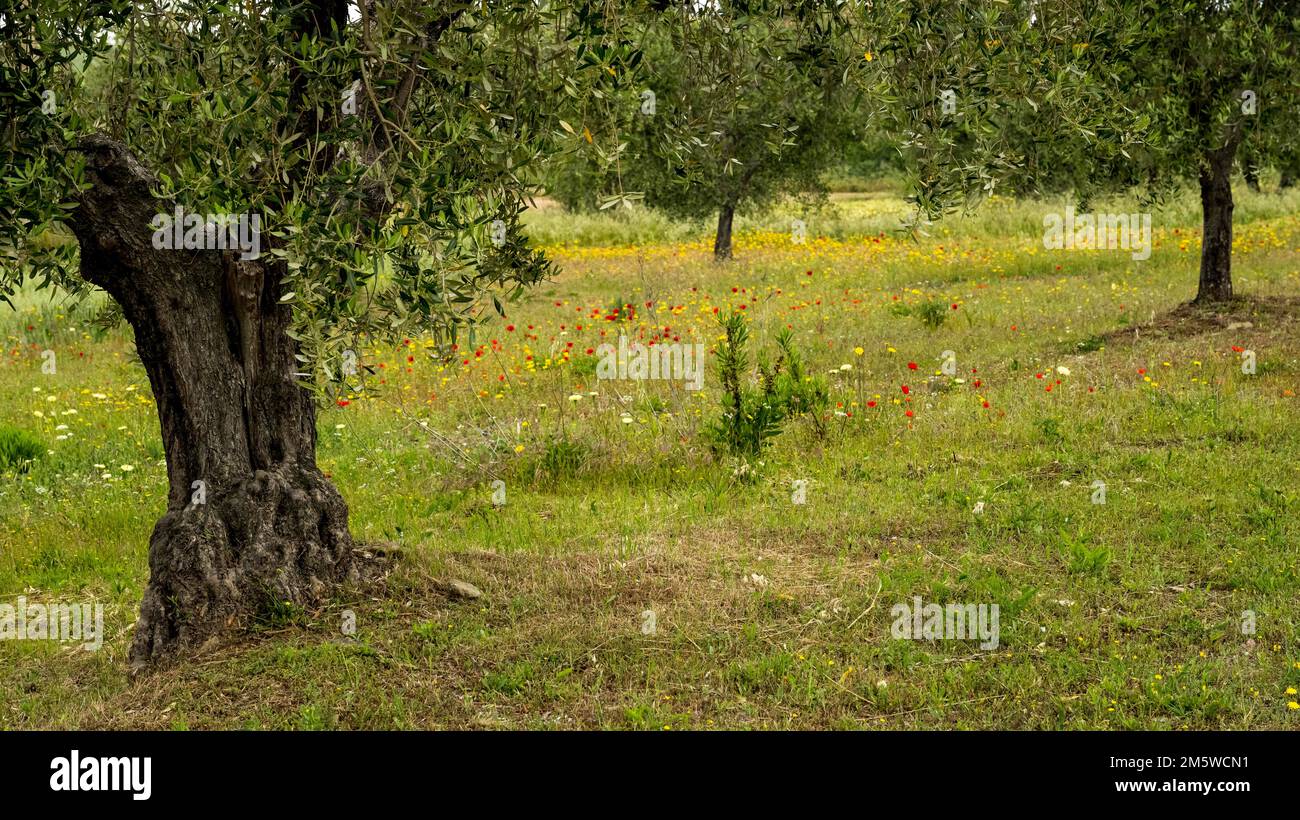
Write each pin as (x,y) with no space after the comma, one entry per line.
(769,614)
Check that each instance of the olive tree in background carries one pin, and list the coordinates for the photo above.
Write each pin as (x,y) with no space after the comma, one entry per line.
(1095,97)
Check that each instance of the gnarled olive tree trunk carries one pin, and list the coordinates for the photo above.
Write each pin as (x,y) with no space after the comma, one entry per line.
(250,518)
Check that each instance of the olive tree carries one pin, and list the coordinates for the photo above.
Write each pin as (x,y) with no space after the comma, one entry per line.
(364,166)
(1044,94)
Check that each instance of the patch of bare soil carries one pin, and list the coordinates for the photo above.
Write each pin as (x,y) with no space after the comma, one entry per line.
(1188,320)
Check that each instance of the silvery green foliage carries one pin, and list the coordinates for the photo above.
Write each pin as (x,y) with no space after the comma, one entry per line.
(748,101)
(44,53)
(1091,98)
(389,163)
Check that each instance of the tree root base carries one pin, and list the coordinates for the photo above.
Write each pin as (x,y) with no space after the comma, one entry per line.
(278,538)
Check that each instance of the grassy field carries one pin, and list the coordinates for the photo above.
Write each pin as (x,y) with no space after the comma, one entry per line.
(1072,367)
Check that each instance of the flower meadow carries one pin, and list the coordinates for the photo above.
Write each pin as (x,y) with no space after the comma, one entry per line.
(979,387)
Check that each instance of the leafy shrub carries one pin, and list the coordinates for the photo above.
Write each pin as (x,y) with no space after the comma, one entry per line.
(585,366)
(752,417)
(564,457)
(1083,559)
(932,314)
(18,449)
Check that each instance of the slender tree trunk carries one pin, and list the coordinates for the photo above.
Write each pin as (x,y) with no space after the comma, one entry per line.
(250,519)
(1216,220)
(722,242)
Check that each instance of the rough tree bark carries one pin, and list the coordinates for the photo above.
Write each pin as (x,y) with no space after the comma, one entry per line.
(272,527)
(722,242)
(1216,221)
